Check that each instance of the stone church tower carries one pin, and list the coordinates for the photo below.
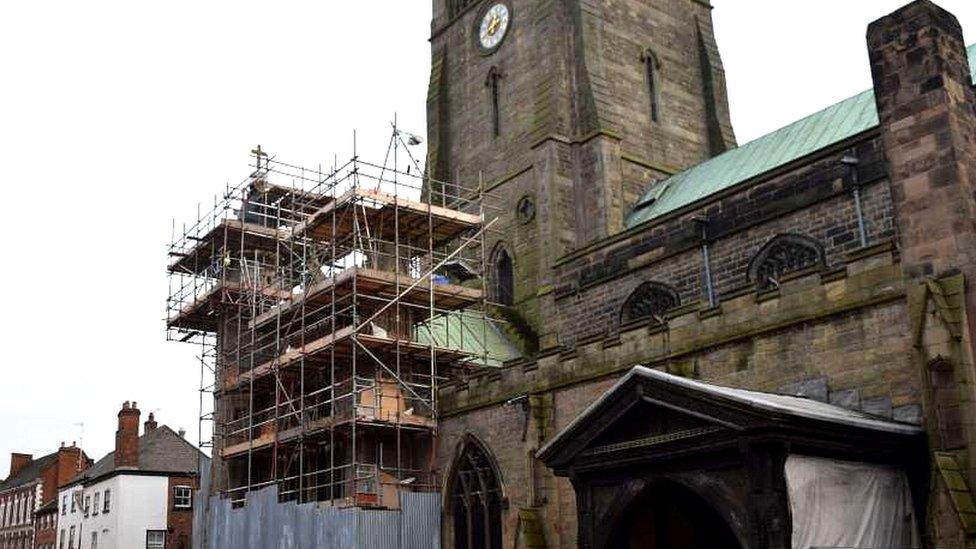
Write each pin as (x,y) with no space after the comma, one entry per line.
(567,110)
(827,265)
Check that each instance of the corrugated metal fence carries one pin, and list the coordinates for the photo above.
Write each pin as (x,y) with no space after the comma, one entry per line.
(263,523)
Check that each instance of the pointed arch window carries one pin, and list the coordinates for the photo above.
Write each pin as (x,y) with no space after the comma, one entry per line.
(784,255)
(652,70)
(476,499)
(492,83)
(502,290)
(649,300)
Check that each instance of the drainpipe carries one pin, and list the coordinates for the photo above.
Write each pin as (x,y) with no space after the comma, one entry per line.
(702,222)
(852,162)
(524,410)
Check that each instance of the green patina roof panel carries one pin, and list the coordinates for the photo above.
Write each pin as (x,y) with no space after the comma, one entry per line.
(801,138)
(469,331)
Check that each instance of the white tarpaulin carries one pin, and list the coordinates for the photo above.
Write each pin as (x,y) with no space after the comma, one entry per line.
(849,504)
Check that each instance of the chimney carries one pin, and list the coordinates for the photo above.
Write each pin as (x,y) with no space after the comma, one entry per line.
(18,462)
(70,463)
(150,424)
(127,436)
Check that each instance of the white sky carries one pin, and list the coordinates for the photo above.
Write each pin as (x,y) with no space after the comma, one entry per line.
(116,117)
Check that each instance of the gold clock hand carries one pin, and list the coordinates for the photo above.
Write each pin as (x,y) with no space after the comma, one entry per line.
(493,25)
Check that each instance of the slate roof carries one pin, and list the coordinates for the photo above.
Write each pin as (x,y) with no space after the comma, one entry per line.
(787,404)
(29,473)
(762,402)
(160,451)
(801,138)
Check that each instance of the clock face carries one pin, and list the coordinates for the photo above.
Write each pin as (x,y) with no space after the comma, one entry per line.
(493,27)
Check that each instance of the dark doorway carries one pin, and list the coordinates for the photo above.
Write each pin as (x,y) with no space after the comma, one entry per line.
(669,516)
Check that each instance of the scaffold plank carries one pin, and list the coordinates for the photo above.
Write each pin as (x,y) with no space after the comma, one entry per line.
(415,220)
(376,284)
(225,235)
(202,313)
(343,342)
(320,426)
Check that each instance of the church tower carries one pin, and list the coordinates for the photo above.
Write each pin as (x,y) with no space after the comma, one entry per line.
(567,110)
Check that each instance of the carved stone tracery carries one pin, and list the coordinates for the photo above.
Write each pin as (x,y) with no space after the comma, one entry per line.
(782,256)
(649,300)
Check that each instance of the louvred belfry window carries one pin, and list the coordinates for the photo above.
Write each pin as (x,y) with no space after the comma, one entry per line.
(476,501)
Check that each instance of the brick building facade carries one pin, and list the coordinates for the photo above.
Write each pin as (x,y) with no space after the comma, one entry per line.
(46,526)
(32,485)
(139,495)
(832,259)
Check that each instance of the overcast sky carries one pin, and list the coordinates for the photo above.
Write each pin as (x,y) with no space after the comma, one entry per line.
(116,117)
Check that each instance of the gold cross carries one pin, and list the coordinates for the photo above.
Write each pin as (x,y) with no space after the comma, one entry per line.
(258,153)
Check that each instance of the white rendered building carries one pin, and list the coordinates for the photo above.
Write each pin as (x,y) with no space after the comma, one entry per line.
(140,495)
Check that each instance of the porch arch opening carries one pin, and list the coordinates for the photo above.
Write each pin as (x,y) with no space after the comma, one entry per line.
(668,515)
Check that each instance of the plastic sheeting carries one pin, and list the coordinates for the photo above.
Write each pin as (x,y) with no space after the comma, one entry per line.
(849,504)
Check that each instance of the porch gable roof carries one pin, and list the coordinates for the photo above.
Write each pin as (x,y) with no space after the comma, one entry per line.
(722,407)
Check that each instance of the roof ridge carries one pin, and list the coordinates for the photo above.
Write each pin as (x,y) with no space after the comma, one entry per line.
(722,395)
(831,124)
(792,124)
(158,453)
(24,474)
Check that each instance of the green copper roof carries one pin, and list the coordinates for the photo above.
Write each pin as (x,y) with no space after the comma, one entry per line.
(831,125)
(469,331)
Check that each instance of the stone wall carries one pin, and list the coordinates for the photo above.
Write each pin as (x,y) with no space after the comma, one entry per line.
(814,199)
(886,328)
(834,336)
(573,68)
(925,97)
(576,134)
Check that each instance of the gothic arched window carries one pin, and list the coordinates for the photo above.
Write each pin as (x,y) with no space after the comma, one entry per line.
(649,300)
(652,68)
(784,254)
(476,499)
(492,83)
(502,289)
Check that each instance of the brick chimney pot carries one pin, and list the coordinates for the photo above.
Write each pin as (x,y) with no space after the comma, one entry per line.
(18,462)
(127,437)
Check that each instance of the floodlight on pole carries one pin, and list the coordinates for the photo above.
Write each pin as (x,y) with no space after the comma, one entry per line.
(412,138)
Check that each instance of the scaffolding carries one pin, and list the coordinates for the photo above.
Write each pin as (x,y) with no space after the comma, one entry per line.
(328,307)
